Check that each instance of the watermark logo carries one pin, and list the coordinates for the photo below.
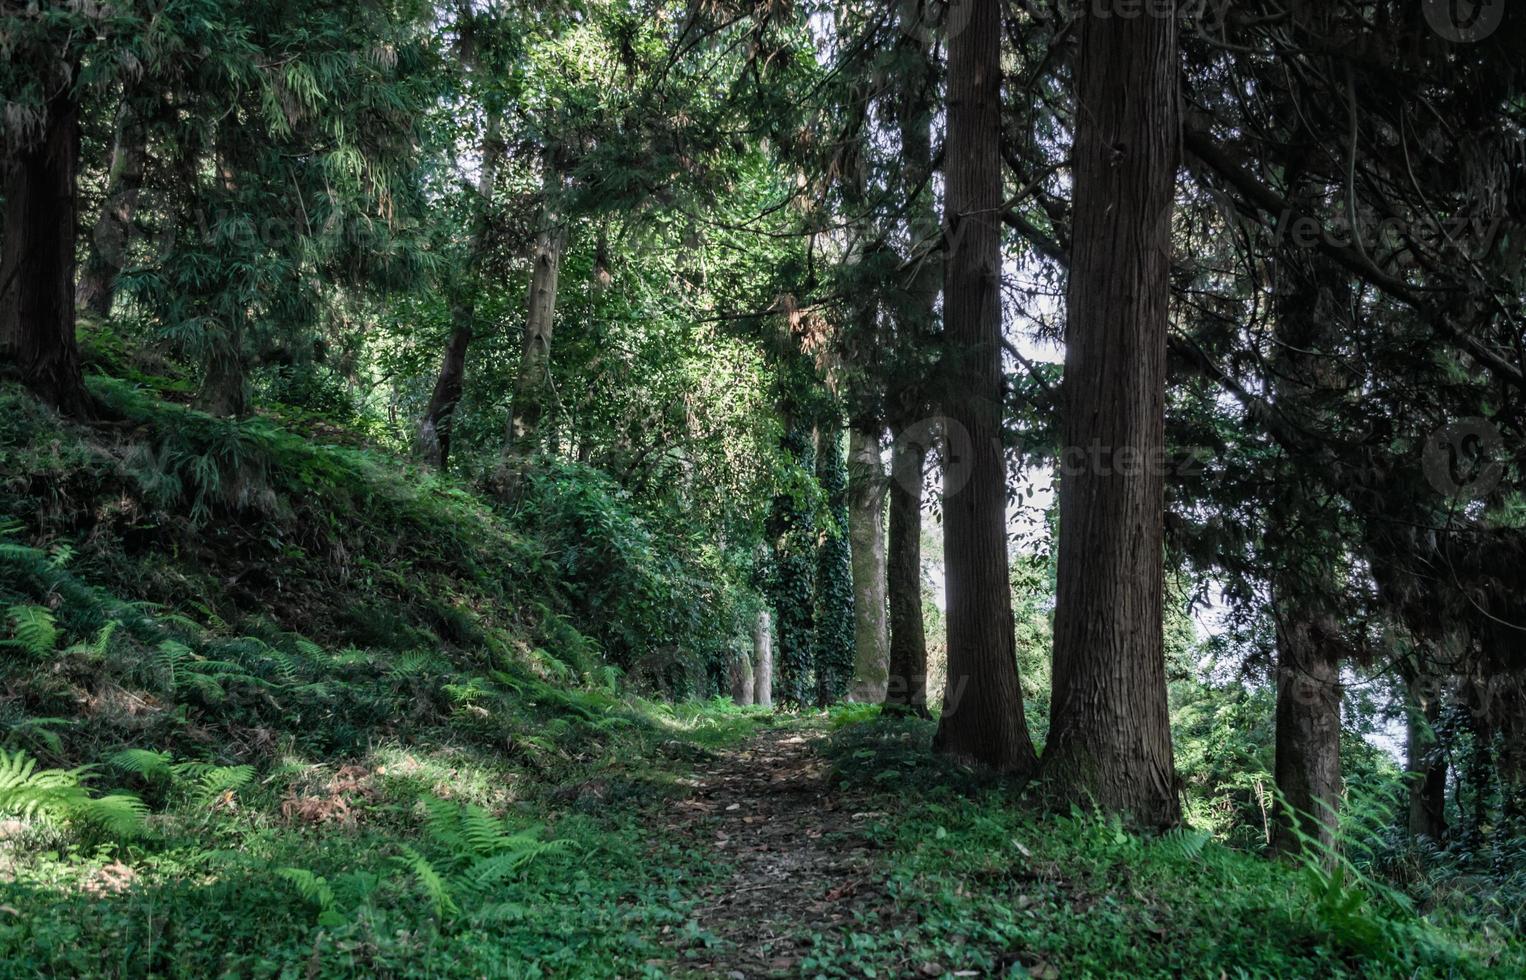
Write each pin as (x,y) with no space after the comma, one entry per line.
(1464,21)
(937,21)
(1461,460)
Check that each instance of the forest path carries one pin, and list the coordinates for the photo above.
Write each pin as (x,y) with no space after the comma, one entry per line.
(801,861)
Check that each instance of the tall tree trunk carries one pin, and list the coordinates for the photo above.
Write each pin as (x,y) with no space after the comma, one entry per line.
(1110,736)
(834,620)
(742,681)
(1308,729)
(107,253)
(436,423)
(906,691)
(533,389)
(986,725)
(225,371)
(1426,762)
(37,340)
(866,539)
(225,383)
(763,660)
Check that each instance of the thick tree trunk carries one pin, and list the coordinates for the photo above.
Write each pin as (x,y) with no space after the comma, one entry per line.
(906,691)
(37,341)
(866,538)
(763,660)
(534,391)
(1110,737)
(1308,730)
(225,383)
(986,724)
(1509,706)
(436,424)
(741,678)
(225,371)
(1426,763)
(107,254)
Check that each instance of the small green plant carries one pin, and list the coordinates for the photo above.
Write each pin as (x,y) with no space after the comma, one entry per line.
(33,629)
(472,851)
(57,795)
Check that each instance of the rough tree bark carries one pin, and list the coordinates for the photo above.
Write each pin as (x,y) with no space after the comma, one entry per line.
(742,681)
(435,425)
(1426,763)
(1110,736)
(107,254)
(866,538)
(988,726)
(533,389)
(37,341)
(906,690)
(763,660)
(225,376)
(1308,728)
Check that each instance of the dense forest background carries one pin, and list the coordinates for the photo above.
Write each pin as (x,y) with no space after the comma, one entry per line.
(429,427)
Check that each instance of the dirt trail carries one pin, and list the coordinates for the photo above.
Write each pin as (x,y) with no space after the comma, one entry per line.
(801,861)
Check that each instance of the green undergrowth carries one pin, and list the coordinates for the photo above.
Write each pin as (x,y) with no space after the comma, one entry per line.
(982,882)
(182,800)
(277,705)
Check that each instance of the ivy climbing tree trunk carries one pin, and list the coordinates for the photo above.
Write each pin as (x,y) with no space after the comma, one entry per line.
(107,253)
(1110,736)
(435,426)
(763,660)
(37,340)
(986,725)
(534,390)
(834,619)
(866,539)
(792,582)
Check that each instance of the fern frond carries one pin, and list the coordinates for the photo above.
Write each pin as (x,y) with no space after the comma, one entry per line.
(484,832)
(1186,843)
(429,879)
(38,728)
(312,887)
(33,629)
(143,762)
(97,648)
(521,853)
(118,815)
(29,793)
(205,782)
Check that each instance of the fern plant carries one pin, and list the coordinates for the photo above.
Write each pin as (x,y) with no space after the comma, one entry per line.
(33,629)
(474,852)
(57,795)
(200,783)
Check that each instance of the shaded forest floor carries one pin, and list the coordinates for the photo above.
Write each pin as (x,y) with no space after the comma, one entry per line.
(848,851)
(344,727)
(797,850)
